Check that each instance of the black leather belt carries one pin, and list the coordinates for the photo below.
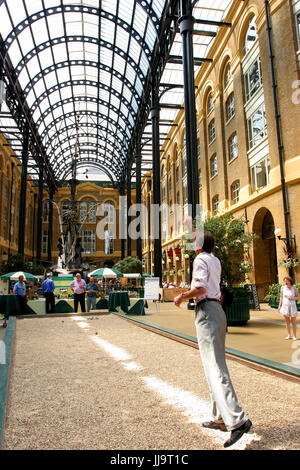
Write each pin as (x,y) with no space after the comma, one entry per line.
(206,300)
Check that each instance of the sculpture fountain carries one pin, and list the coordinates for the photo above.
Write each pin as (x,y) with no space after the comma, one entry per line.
(69,242)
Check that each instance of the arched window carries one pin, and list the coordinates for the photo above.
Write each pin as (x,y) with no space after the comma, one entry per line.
(251,35)
(211,131)
(184,162)
(235,191)
(232,147)
(110,212)
(230,107)
(210,103)
(215,204)
(227,76)
(83,211)
(213,166)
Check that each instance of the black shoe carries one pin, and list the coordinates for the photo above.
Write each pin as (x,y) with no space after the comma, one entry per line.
(214,425)
(236,434)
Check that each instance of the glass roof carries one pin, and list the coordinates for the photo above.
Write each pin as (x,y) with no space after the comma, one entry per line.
(82,66)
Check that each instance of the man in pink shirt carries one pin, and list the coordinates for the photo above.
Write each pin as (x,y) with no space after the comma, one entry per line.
(78,287)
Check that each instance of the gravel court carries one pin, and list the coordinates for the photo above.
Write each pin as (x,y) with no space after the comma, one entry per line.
(100,382)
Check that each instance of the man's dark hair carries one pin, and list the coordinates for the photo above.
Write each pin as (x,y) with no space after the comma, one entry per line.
(208,242)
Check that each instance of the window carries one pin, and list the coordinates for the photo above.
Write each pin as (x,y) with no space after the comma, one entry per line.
(235,192)
(178,197)
(211,131)
(46,211)
(109,242)
(185,194)
(88,241)
(251,36)
(260,174)
(215,205)
(230,107)
(200,179)
(227,76)
(233,147)
(92,212)
(162,171)
(177,174)
(184,163)
(110,212)
(210,103)
(253,79)
(45,242)
(170,186)
(298,29)
(83,211)
(257,126)
(213,166)
(198,147)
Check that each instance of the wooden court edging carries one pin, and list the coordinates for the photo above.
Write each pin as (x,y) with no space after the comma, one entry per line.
(254,362)
(5,368)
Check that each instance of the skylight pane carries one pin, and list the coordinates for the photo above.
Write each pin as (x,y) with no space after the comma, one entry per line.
(126,10)
(17,11)
(56,27)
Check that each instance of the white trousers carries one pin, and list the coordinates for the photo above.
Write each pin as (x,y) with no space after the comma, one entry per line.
(210,324)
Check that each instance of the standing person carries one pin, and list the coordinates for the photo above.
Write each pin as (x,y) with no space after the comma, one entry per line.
(20,291)
(48,287)
(78,287)
(287,305)
(91,294)
(210,324)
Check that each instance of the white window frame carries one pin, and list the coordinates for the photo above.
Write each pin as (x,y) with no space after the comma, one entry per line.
(213,166)
(215,204)
(250,91)
(254,174)
(230,107)
(109,208)
(263,132)
(210,104)
(211,131)
(250,24)
(200,178)
(227,77)
(88,241)
(235,191)
(232,146)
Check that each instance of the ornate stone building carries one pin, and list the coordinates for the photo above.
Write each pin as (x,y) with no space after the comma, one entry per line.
(248,141)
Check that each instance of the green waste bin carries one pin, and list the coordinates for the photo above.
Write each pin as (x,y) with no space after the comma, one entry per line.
(239,312)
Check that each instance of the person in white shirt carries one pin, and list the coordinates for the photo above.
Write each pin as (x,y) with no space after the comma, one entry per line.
(210,324)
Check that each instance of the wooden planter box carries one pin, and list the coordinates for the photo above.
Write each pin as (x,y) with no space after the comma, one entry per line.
(239,312)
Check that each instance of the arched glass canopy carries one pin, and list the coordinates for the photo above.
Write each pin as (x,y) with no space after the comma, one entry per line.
(80,69)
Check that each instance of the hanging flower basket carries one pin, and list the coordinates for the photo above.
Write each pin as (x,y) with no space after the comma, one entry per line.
(289,263)
(177,250)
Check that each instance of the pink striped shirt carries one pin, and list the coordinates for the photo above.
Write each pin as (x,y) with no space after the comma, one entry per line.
(78,287)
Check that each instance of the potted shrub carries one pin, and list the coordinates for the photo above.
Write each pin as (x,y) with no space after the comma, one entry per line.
(232,242)
(239,312)
(273,295)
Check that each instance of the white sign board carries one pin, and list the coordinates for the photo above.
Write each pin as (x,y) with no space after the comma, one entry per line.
(151,288)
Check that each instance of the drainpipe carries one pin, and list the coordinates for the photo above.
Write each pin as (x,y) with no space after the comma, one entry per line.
(278,131)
